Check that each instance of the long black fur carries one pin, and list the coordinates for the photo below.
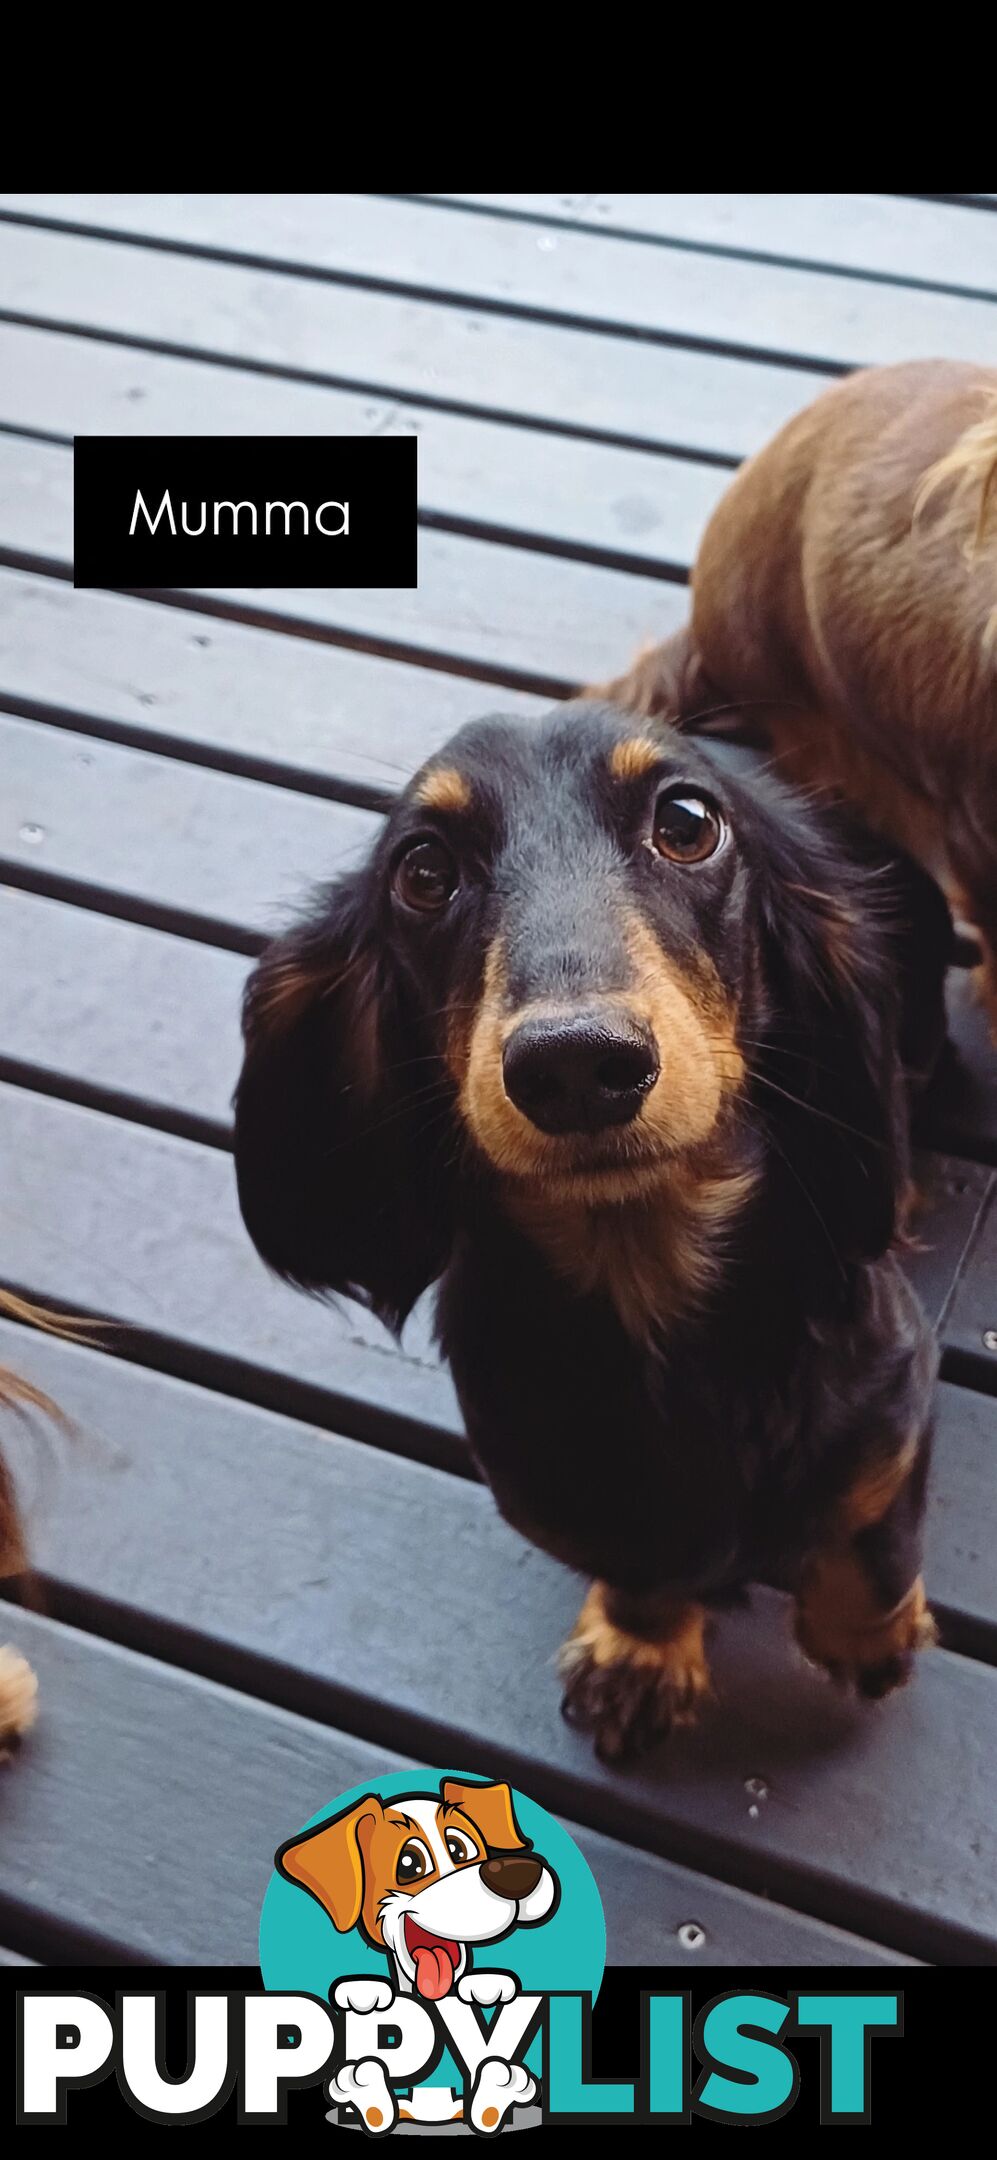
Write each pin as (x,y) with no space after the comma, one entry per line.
(713,1457)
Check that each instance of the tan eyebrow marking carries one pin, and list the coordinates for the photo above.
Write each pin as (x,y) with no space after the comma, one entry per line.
(630,760)
(444,788)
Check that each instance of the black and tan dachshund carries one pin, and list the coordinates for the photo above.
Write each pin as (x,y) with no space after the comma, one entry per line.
(616,1044)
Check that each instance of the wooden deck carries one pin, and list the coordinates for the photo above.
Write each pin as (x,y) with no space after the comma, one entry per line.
(267,1568)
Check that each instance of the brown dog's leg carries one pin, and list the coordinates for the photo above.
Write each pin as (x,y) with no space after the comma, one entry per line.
(861,1610)
(633,1667)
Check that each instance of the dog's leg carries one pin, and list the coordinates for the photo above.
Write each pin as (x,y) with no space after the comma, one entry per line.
(633,1668)
(861,1610)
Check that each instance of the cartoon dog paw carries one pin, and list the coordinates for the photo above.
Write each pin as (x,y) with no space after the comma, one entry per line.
(363,1995)
(498,2087)
(487,1988)
(363,2085)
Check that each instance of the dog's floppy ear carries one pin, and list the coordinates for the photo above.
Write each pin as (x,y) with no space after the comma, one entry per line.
(490,1808)
(831,1078)
(341,1132)
(328,1862)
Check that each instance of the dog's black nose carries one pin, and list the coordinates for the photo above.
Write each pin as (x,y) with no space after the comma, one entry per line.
(512,1875)
(580,1072)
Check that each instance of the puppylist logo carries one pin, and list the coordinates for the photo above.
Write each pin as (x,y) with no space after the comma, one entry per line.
(432,1945)
(437,1916)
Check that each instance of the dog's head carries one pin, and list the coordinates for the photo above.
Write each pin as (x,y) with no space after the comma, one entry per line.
(425,1876)
(582,959)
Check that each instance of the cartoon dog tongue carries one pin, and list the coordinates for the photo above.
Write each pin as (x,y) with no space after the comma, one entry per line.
(434,1969)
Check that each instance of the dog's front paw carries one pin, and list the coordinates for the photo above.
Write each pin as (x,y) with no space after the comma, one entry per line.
(487,1988)
(872,1653)
(362,1994)
(627,1691)
(363,2085)
(498,2087)
(18,1694)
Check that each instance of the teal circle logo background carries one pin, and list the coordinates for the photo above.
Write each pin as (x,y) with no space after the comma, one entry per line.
(301,1952)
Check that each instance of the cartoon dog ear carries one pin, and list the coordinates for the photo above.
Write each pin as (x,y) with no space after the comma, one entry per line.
(490,1808)
(341,1136)
(328,1862)
(831,1076)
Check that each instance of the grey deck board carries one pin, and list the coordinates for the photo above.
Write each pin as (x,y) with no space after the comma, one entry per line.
(319,717)
(583,277)
(230,857)
(141,1819)
(537,623)
(397,346)
(272,1566)
(879,235)
(147,1231)
(551,489)
(105,1009)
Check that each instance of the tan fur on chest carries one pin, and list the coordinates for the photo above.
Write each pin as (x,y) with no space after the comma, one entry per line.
(654,1258)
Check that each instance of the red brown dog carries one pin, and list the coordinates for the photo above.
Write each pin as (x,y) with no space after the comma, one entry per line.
(846,586)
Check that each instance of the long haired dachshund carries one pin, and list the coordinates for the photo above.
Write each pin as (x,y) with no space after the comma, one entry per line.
(847,582)
(615,1045)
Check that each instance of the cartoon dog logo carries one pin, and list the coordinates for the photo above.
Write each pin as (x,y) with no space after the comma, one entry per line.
(427,1877)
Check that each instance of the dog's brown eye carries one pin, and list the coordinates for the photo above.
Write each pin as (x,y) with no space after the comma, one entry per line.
(413,1861)
(426,877)
(687,828)
(460,1848)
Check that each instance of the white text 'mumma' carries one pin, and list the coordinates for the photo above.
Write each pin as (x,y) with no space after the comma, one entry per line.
(331,519)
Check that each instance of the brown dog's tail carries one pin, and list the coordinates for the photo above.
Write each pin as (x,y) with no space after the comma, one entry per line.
(15,1391)
(970,467)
